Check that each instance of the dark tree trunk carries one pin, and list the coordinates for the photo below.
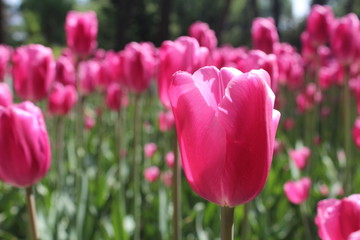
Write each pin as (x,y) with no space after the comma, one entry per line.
(276,11)
(349,6)
(2,24)
(253,8)
(165,11)
(320,2)
(222,19)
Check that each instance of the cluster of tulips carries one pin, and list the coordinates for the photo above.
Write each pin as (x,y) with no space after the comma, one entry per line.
(220,100)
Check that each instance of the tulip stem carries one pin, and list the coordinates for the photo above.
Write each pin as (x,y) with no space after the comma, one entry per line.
(176,188)
(347,131)
(227,223)
(136,174)
(305,221)
(30,201)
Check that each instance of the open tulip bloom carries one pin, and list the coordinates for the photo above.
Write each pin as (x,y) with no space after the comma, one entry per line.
(226,125)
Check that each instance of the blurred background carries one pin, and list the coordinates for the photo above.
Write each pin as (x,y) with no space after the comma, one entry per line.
(122,21)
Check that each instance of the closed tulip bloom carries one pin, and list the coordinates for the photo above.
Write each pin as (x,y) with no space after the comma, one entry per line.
(264,34)
(205,36)
(88,76)
(300,156)
(150,149)
(5,56)
(6,97)
(25,153)
(89,122)
(152,173)
(226,125)
(183,54)
(339,219)
(33,71)
(65,71)
(166,121)
(81,32)
(170,159)
(318,24)
(113,97)
(356,132)
(344,37)
(62,99)
(137,63)
(297,191)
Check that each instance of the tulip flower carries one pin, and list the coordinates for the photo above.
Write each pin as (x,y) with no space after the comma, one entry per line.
(264,34)
(33,71)
(65,71)
(339,219)
(167,178)
(226,125)
(113,97)
(62,99)
(183,54)
(5,56)
(88,76)
(205,36)
(6,97)
(297,191)
(152,173)
(166,121)
(25,153)
(300,156)
(356,132)
(89,122)
(137,63)
(170,158)
(150,149)
(81,32)
(318,24)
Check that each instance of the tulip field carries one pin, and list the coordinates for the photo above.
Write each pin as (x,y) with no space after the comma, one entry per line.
(186,140)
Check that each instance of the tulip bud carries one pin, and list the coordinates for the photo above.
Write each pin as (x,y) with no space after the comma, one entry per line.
(264,34)
(33,71)
(318,24)
(113,97)
(25,153)
(170,159)
(88,76)
(81,32)
(297,191)
(6,97)
(62,99)
(89,122)
(65,71)
(166,121)
(151,174)
(356,132)
(150,149)
(205,36)
(300,156)
(226,125)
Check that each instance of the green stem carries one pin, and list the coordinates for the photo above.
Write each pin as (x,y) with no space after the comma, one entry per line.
(136,173)
(227,223)
(347,131)
(30,201)
(60,148)
(305,221)
(176,188)
(245,226)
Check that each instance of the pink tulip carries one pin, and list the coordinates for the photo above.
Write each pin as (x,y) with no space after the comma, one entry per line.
(227,56)
(297,191)
(150,149)
(166,121)
(205,36)
(62,99)
(170,159)
(5,56)
(152,173)
(81,32)
(113,97)
(33,71)
(289,124)
(89,122)
(221,117)
(324,190)
(318,24)
(109,71)
(344,37)
(300,156)
(264,34)
(88,76)
(356,132)
(308,51)
(167,177)
(183,54)
(137,62)
(25,153)
(65,71)
(278,146)
(339,219)
(6,98)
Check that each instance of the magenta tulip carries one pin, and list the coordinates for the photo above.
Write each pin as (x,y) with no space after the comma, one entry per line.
(88,76)
(170,159)
(5,56)
(318,24)
(205,36)
(264,34)
(226,125)
(33,71)
(25,153)
(300,156)
(137,63)
(6,97)
(356,132)
(183,54)
(81,32)
(113,97)
(89,122)
(152,173)
(339,219)
(297,191)
(65,71)
(62,99)
(150,149)
(166,121)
